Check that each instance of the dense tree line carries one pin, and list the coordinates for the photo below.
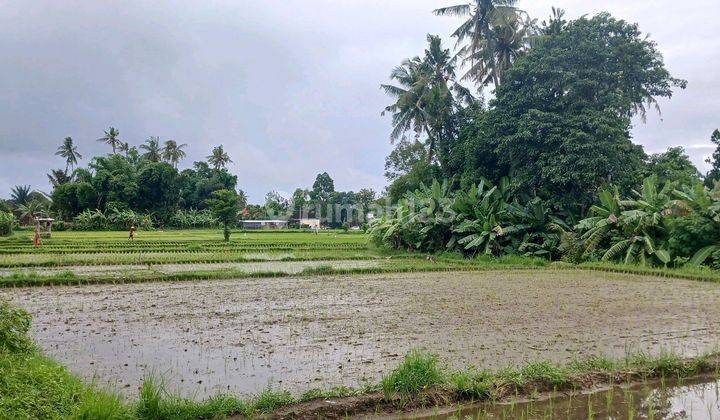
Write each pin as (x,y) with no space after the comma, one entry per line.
(143,186)
(547,167)
(559,124)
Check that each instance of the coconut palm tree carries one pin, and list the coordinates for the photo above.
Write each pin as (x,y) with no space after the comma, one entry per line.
(219,158)
(58,177)
(506,42)
(423,97)
(124,147)
(68,150)
(173,152)
(484,36)
(153,151)
(111,138)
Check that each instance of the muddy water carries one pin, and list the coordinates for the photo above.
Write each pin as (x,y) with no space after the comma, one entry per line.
(698,400)
(243,335)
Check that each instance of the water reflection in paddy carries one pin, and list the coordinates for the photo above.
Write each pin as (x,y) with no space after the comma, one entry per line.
(697,400)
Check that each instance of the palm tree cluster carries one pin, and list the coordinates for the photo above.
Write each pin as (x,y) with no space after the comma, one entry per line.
(154,150)
(669,225)
(428,96)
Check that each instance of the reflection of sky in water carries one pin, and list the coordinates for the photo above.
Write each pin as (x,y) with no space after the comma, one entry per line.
(699,401)
(694,400)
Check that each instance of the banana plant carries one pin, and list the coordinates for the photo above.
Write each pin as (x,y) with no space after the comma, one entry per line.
(631,228)
(480,216)
(542,231)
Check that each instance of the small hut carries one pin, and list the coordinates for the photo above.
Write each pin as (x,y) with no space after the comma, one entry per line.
(44,226)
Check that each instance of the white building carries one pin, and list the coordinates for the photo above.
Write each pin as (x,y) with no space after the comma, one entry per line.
(264,224)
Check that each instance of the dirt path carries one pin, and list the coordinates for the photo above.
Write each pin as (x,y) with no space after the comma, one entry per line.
(240,336)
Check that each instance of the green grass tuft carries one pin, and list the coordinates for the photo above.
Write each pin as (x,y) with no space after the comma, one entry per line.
(270,400)
(471,384)
(418,371)
(156,403)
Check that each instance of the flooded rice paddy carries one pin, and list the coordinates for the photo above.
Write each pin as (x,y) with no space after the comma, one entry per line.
(241,336)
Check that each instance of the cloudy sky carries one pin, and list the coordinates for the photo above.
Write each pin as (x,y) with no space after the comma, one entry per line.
(289,87)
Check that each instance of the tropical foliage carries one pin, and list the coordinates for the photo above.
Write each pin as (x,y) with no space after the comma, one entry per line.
(225,207)
(7,222)
(666,224)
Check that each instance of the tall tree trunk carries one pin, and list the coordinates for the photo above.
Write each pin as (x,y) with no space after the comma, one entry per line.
(431,146)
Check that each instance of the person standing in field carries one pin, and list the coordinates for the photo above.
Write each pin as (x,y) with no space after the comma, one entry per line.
(132,233)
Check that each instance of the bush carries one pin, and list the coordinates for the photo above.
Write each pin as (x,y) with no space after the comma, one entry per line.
(61,226)
(419,371)
(91,220)
(7,222)
(116,220)
(14,325)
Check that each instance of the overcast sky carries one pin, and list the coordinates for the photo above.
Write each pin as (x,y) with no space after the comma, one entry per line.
(289,87)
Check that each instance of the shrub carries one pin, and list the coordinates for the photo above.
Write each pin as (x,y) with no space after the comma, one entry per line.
(91,220)
(7,222)
(14,325)
(419,371)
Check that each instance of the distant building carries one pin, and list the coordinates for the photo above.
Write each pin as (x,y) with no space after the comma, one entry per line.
(309,223)
(264,224)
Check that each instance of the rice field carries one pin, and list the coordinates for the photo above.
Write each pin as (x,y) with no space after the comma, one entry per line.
(299,311)
(96,255)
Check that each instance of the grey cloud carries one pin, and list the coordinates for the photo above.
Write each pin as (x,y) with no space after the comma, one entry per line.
(291,88)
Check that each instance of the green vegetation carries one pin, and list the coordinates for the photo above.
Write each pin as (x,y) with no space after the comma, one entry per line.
(418,372)
(673,225)
(108,257)
(225,206)
(7,222)
(33,386)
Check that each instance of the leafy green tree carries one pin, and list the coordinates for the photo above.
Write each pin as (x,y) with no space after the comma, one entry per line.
(401,160)
(713,175)
(560,123)
(219,159)
(115,181)
(197,184)
(300,203)
(111,138)
(225,207)
(124,147)
(276,205)
(58,177)
(153,151)
(173,153)
(242,198)
(159,190)
(365,199)
(322,188)
(421,173)
(69,152)
(674,165)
